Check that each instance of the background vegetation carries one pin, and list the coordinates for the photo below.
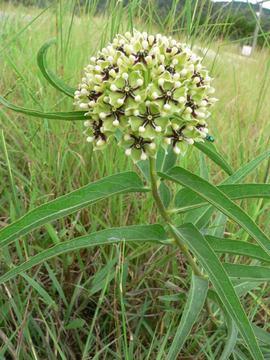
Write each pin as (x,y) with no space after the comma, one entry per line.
(120,301)
(239,18)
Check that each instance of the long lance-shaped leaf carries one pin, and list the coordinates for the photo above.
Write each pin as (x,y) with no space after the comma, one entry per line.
(193,307)
(240,174)
(217,198)
(53,79)
(69,203)
(202,216)
(69,116)
(187,200)
(137,233)
(221,282)
(210,150)
(247,272)
(236,247)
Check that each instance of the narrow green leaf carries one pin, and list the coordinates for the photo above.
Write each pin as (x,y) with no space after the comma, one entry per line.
(173,297)
(187,199)
(246,169)
(165,194)
(69,203)
(169,160)
(242,288)
(161,153)
(69,116)
(232,330)
(240,355)
(262,335)
(48,74)
(144,168)
(137,233)
(40,290)
(231,340)
(193,307)
(217,198)
(222,284)
(75,324)
(247,272)
(55,284)
(204,215)
(218,225)
(210,150)
(102,277)
(165,159)
(236,247)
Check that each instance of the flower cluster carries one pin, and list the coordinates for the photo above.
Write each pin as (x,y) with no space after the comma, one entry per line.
(145,90)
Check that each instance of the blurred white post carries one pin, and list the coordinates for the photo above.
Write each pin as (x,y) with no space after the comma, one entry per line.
(246,50)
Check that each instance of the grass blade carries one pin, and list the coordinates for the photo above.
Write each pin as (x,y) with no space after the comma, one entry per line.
(222,284)
(69,203)
(137,233)
(48,74)
(217,198)
(68,116)
(40,290)
(193,307)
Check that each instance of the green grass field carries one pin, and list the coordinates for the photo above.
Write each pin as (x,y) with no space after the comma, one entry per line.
(120,301)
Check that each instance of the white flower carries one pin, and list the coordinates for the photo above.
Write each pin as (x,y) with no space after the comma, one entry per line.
(83,106)
(116,122)
(143,156)
(137,98)
(176,150)
(125,76)
(84,92)
(87,123)
(190,141)
(128,152)
(141,129)
(102,115)
(90,139)
(113,87)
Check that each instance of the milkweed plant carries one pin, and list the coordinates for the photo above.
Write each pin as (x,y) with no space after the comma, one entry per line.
(153,96)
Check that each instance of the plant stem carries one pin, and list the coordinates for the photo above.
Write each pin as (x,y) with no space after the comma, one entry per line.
(166,217)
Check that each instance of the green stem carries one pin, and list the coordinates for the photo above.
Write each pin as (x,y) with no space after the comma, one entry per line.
(167,219)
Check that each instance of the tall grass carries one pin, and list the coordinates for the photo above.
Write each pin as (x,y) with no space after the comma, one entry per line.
(120,301)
